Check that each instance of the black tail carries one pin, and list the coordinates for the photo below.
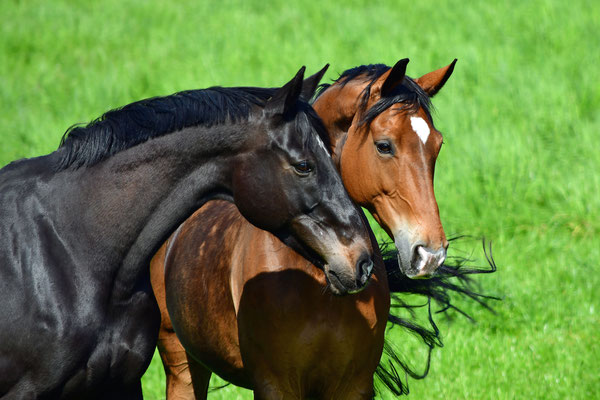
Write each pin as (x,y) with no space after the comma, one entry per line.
(455,277)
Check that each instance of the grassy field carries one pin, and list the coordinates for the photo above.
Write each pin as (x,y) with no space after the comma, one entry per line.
(520,164)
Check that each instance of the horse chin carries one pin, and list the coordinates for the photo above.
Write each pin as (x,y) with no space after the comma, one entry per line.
(407,269)
(337,286)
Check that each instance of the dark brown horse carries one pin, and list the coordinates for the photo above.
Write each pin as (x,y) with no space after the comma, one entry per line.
(79,226)
(258,314)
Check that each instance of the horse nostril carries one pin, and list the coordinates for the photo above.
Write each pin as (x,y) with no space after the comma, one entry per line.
(443,252)
(364,269)
(426,261)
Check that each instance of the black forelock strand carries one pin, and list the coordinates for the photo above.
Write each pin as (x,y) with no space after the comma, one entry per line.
(137,122)
(410,95)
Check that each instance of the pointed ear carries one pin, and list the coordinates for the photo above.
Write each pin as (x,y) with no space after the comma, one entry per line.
(432,82)
(393,77)
(284,99)
(310,84)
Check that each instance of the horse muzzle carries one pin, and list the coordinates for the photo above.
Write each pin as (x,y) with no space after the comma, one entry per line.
(418,261)
(427,261)
(343,281)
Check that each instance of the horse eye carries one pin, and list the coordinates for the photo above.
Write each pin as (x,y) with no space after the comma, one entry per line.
(303,168)
(384,147)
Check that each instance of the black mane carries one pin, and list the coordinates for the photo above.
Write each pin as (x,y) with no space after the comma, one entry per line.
(409,94)
(137,122)
(454,278)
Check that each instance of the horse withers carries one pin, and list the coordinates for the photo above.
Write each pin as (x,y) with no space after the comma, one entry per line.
(79,226)
(257,313)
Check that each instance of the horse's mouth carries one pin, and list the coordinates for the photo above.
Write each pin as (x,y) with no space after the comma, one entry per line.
(333,282)
(337,287)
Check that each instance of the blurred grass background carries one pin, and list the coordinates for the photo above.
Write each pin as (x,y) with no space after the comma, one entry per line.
(520,164)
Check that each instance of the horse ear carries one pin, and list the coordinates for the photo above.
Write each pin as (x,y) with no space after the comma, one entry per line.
(432,82)
(310,84)
(393,77)
(285,98)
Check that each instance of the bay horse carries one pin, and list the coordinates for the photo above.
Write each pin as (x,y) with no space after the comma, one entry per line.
(80,225)
(258,314)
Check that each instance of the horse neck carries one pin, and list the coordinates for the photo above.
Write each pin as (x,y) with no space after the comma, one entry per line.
(136,198)
(338,107)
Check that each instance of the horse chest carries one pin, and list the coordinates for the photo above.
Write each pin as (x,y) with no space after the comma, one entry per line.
(61,334)
(122,347)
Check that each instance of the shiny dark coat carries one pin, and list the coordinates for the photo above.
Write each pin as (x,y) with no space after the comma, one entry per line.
(78,227)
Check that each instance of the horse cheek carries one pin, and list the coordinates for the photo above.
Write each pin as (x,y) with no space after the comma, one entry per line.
(257,202)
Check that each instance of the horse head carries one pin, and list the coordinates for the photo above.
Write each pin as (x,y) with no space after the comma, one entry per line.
(304,203)
(387,157)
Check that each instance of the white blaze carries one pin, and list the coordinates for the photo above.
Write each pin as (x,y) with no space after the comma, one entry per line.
(420,127)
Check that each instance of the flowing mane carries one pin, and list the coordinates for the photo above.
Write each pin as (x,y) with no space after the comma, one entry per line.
(409,94)
(453,279)
(137,122)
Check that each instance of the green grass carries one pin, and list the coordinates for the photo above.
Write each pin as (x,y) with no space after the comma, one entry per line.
(520,118)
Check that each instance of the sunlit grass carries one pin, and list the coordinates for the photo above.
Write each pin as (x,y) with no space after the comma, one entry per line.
(520,119)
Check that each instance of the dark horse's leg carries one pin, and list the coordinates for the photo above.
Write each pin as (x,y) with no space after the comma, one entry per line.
(200,378)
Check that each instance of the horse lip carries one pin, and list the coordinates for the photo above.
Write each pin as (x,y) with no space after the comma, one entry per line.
(412,272)
(420,275)
(405,269)
(360,289)
(329,277)
(415,260)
